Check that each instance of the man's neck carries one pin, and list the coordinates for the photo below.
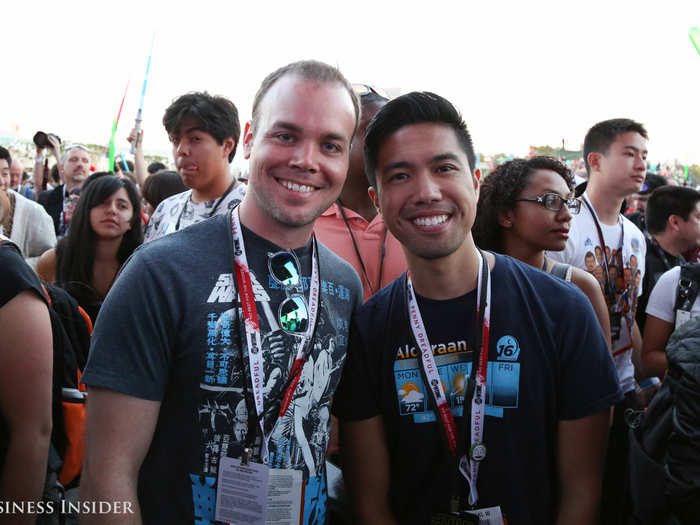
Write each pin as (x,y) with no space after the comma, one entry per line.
(668,243)
(214,190)
(356,198)
(606,203)
(446,277)
(514,247)
(261,223)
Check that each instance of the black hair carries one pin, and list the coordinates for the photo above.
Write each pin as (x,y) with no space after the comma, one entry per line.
(651,182)
(5,154)
(76,252)
(413,108)
(217,115)
(601,136)
(155,167)
(499,193)
(372,98)
(119,164)
(666,201)
(162,185)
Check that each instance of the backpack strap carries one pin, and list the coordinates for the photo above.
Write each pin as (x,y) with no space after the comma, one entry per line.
(688,284)
(562,270)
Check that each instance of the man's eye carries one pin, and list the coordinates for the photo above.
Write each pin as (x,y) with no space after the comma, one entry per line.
(284,137)
(398,176)
(444,168)
(331,147)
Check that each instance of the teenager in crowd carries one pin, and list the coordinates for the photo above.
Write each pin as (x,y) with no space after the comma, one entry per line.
(105,230)
(525,207)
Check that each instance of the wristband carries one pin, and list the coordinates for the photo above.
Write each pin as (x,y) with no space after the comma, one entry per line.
(38,159)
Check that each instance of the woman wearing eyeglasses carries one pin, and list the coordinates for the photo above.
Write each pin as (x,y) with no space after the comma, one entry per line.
(524,209)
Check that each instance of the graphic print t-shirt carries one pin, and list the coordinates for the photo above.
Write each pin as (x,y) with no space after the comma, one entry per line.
(181,208)
(626,269)
(540,371)
(183,348)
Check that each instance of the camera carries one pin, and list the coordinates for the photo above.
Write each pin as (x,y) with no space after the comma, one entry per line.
(41,139)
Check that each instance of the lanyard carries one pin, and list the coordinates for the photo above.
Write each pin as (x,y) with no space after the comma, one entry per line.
(211,213)
(660,252)
(468,467)
(609,285)
(357,251)
(253,337)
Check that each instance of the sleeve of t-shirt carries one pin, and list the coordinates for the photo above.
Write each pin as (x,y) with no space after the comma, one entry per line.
(663,296)
(588,379)
(357,398)
(130,350)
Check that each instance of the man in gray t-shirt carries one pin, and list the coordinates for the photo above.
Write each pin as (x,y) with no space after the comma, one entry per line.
(176,379)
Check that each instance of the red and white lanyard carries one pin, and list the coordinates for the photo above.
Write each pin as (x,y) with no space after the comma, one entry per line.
(469,467)
(252,329)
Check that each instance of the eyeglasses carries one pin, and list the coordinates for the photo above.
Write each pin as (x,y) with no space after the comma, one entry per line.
(293,314)
(555,202)
(365,89)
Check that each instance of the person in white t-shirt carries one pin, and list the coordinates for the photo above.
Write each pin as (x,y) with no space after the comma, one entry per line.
(204,131)
(662,318)
(613,249)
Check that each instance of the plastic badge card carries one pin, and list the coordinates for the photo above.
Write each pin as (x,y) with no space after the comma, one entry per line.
(489,516)
(253,494)
(241,492)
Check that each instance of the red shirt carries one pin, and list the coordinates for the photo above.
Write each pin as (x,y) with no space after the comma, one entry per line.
(331,230)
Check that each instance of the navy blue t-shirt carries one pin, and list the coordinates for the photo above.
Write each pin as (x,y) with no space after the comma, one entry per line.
(548,361)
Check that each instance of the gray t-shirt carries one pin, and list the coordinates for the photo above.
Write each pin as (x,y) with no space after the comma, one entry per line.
(178,212)
(168,331)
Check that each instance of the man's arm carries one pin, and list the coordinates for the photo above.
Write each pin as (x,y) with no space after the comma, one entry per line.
(26,362)
(581,454)
(366,470)
(656,334)
(118,434)
(636,337)
(140,169)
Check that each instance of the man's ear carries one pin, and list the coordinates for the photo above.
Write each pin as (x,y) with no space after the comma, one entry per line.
(373,195)
(673,222)
(505,219)
(594,160)
(229,144)
(247,140)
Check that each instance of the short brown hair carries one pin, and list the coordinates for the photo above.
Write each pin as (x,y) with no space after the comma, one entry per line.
(311,70)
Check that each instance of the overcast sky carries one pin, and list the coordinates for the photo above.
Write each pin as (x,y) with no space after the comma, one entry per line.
(522,73)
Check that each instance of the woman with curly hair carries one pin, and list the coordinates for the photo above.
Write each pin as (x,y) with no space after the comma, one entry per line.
(104,231)
(524,209)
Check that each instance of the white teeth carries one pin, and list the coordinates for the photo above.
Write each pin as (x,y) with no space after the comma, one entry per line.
(301,188)
(430,221)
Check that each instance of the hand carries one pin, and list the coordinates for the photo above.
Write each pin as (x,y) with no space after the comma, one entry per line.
(136,135)
(55,146)
(40,151)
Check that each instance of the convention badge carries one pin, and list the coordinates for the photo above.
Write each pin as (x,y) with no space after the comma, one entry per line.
(488,515)
(242,492)
(284,496)
(454,518)
(615,325)
(682,317)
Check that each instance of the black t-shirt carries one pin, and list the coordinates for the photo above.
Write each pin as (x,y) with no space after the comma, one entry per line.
(17,277)
(657,262)
(548,361)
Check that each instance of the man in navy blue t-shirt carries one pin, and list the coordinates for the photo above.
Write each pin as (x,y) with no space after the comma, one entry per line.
(520,349)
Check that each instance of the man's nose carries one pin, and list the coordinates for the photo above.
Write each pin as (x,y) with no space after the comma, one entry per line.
(306,156)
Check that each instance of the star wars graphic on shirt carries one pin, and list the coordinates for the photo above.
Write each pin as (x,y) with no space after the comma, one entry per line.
(299,439)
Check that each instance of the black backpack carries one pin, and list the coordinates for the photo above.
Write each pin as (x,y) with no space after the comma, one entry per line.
(664,460)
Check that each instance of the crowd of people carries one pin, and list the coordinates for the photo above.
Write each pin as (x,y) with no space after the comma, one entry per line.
(462,346)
